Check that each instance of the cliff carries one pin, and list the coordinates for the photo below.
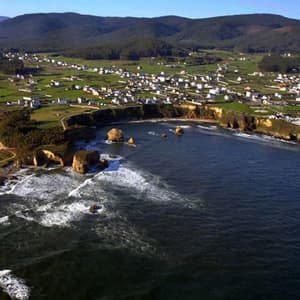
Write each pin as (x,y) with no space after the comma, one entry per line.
(227,119)
(133,113)
(52,154)
(274,127)
(83,160)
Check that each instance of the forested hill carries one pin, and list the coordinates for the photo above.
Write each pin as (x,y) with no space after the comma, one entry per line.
(44,32)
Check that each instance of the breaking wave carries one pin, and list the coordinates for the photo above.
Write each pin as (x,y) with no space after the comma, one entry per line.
(15,287)
(65,214)
(269,140)
(211,127)
(4,221)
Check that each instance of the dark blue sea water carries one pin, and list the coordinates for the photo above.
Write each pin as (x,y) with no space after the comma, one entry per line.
(212,214)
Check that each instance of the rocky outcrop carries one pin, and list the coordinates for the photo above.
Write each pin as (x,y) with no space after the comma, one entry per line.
(83,160)
(104,164)
(179,130)
(115,135)
(131,141)
(53,154)
(132,113)
(93,208)
(225,118)
(278,128)
(44,157)
(265,123)
(217,112)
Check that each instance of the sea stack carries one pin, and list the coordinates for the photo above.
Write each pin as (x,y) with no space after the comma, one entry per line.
(115,135)
(93,208)
(131,141)
(179,130)
(83,160)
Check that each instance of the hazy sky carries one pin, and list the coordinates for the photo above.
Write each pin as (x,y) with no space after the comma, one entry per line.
(152,8)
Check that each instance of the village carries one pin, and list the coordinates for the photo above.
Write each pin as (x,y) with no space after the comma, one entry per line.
(272,95)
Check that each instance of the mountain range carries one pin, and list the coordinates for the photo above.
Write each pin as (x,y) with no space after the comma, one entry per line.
(69,31)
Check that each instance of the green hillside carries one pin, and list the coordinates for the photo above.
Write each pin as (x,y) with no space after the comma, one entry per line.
(69,31)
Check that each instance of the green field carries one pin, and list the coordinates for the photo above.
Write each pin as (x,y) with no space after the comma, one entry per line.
(238,65)
(236,107)
(50,116)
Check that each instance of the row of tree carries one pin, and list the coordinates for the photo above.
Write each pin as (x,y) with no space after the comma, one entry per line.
(278,63)
(18,131)
(129,50)
(11,66)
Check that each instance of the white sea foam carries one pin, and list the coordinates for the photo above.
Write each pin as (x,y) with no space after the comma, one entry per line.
(15,287)
(76,192)
(110,157)
(207,127)
(4,221)
(10,185)
(263,138)
(25,215)
(142,184)
(44,187)
(65,214)
(111,142)
(174,125)
(153,133)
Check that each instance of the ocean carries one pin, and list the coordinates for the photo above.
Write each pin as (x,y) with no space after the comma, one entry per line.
(213,214)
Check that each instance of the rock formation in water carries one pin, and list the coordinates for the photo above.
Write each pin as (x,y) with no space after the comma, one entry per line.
(83,160)
(131,141)
(93,208)
(44,157)
(179,130)
(115,135)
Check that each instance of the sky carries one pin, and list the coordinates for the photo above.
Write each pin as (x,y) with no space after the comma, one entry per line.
(152,8)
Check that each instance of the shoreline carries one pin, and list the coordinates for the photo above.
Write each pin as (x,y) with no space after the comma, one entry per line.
(10,170)
(202,121)
(158,120)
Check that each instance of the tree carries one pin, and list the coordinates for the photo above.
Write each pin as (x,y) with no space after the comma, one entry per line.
(11,66)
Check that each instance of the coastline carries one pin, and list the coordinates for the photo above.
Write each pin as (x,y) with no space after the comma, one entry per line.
(9,170)
(158,120)
(187,113)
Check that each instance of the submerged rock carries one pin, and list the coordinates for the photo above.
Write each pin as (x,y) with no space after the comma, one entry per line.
(115,135)
(179,130)
(104,164)
(93,208)
(83,160)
